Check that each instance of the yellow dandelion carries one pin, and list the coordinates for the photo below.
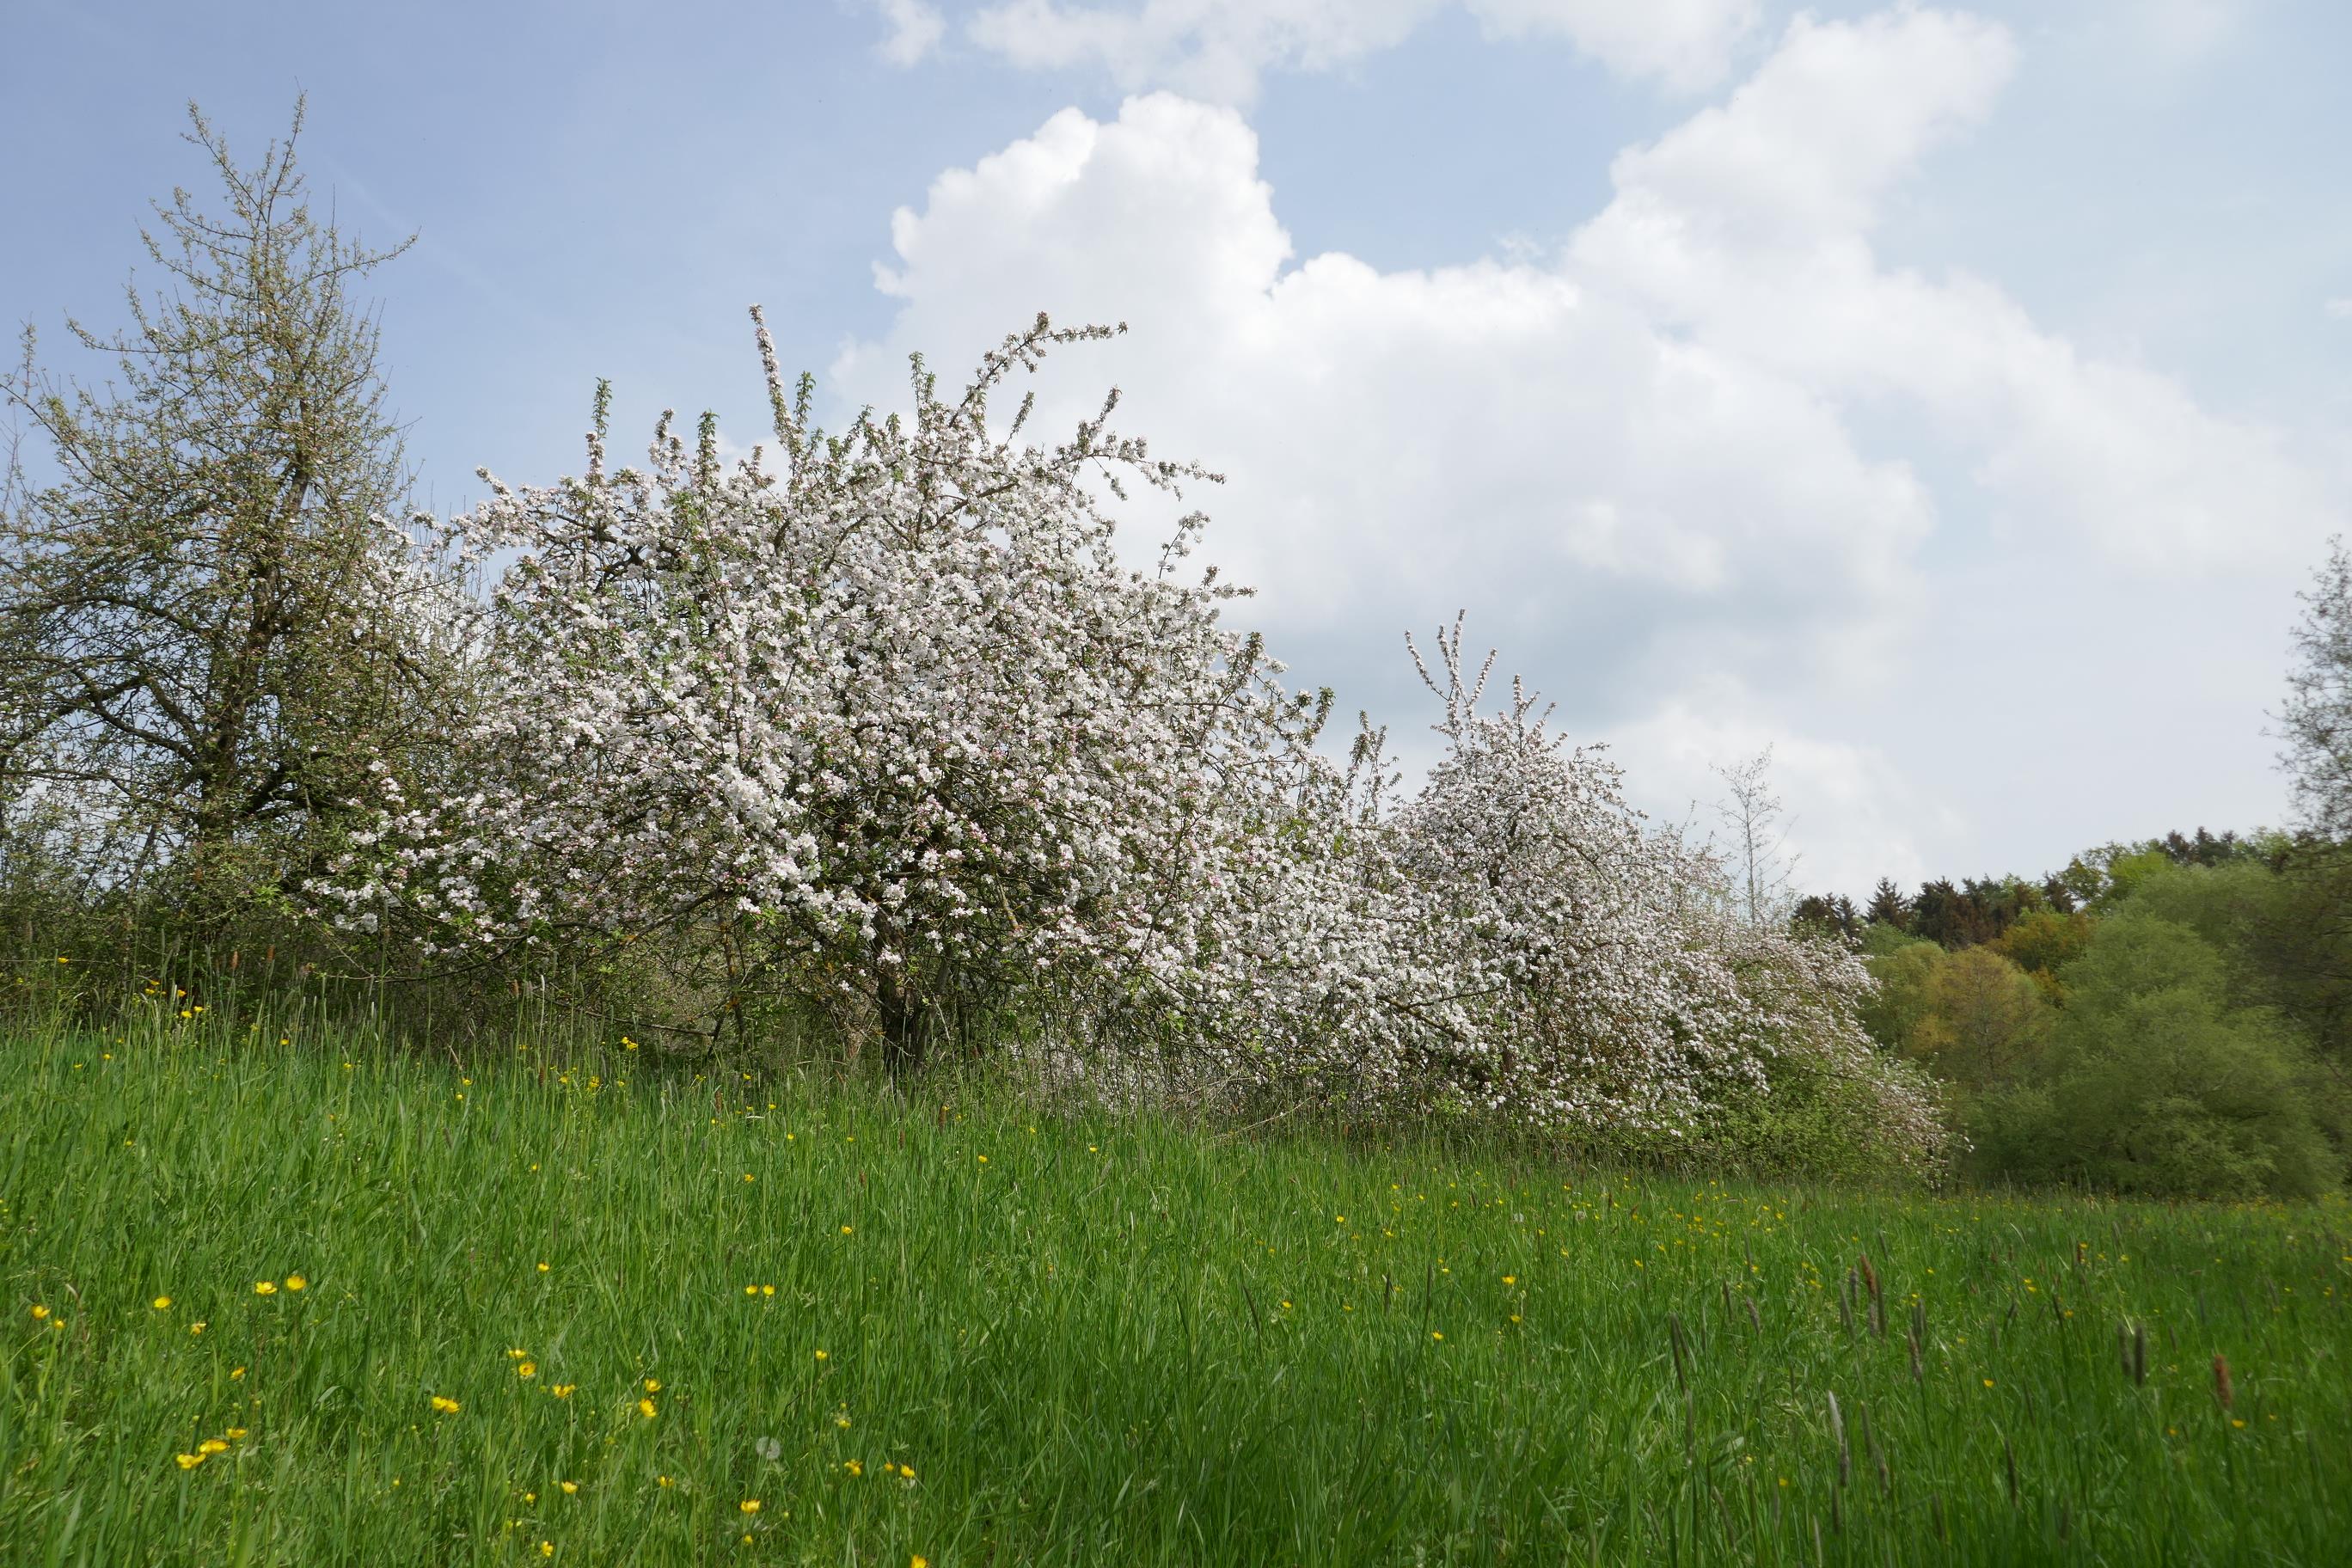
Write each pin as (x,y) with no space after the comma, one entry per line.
(162,1303)
(444,1404)
(296,1282)
(767,1290)
(526,1369)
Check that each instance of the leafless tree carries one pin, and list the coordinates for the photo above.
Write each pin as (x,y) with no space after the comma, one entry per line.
(1755,822)
(2317,722)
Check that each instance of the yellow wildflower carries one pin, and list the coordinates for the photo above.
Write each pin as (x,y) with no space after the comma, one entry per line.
(162,1303)
(265,1287)
(445,1405)
(749,1505)
(296,1282)
(646,1408)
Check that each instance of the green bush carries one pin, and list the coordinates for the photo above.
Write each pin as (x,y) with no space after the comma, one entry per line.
(2154,1084)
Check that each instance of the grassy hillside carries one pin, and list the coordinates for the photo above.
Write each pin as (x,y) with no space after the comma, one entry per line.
(283,1299)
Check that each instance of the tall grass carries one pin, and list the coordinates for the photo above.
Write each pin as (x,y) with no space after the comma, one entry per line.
(952,1329)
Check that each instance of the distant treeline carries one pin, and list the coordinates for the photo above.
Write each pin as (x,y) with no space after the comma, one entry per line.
(2167,1018)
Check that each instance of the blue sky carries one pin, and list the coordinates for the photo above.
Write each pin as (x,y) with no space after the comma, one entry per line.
(1950,396)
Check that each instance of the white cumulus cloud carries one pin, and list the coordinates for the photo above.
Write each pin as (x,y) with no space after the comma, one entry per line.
(1653,465)
(1219,50)
(915,29)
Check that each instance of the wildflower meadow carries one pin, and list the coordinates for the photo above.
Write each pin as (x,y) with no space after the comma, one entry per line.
(282,1294)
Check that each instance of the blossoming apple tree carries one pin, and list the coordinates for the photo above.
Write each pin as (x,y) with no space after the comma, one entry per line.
(881,718)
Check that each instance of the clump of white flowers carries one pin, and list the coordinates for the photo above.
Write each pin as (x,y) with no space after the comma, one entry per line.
(884,718)
(1514,940)
(880,719)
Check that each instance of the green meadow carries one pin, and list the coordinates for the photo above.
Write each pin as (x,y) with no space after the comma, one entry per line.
(275,1296)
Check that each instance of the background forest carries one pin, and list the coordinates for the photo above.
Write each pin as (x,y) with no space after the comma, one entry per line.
(2166,1017)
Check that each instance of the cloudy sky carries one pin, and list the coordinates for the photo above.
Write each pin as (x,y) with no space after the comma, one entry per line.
(1952,398)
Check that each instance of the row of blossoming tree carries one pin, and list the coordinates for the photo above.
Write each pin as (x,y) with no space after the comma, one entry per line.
(878,722)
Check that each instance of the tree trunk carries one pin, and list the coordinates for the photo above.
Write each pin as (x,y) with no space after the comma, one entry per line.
(903,1035)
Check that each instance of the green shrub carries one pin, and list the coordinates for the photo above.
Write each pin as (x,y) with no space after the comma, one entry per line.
(2155,1084)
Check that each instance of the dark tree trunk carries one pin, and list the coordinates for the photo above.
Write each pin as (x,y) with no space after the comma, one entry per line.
(903,1035)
